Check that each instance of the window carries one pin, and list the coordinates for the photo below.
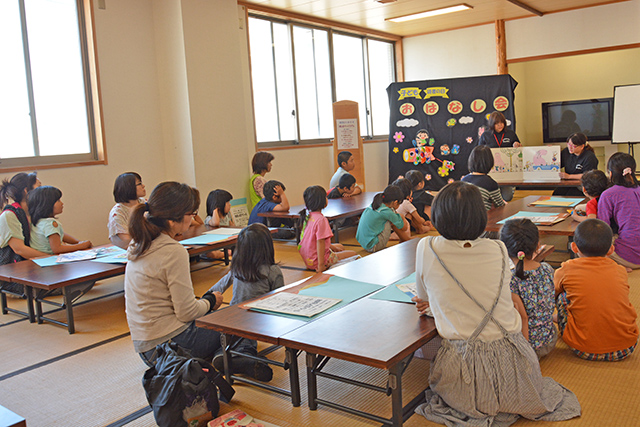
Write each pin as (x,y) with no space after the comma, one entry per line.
(299,71)
(49,110)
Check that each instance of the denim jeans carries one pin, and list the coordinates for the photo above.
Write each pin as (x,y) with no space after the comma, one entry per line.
(201,343)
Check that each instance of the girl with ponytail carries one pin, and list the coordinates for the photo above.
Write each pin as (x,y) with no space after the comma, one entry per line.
(15,229)
(316,249)
(380,219)
(160,303)
(532,288)
(619,206)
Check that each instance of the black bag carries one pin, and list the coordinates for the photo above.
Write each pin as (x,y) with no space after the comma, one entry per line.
(182,390)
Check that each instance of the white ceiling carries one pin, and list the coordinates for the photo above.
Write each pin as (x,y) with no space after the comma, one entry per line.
(371,14)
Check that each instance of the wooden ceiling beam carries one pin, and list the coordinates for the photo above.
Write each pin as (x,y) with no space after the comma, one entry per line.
(526,7)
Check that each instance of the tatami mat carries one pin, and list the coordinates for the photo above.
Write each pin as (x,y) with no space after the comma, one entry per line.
(94,388)
(102,386)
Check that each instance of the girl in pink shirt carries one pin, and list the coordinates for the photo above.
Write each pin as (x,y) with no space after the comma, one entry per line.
(317,234)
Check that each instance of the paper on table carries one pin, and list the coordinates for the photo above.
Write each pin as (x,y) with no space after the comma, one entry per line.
(393,292)
(289,303)
(117,258)
(537,217)
(204,239)
(346,290)
(46,262)
(409,289)
(557,201)
(227,231)
(76,256)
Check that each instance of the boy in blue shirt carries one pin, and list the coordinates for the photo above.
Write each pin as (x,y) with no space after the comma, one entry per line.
(274,200)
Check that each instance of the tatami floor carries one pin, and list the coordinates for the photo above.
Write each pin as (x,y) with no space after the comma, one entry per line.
(93,378)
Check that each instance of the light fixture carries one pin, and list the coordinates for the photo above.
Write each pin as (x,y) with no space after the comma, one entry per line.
(428,13)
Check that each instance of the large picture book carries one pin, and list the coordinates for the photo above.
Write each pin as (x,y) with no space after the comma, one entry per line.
(540,163)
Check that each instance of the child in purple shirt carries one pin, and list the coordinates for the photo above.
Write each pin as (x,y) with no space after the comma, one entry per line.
(619,206)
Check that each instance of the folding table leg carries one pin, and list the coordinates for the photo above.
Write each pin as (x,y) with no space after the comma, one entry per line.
(68,303)
(291,358)
(29,291)
(395,383)
(226,339)
(312,382)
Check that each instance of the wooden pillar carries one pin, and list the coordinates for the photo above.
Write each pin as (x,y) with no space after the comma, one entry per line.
(501,48)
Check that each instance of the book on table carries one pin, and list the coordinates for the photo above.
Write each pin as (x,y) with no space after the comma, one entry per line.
(539,218)
(295,304)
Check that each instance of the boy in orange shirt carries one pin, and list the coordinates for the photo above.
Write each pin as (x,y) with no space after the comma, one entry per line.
(595,318)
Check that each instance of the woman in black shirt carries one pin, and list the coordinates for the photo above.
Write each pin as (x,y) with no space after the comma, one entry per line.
(498,134)
(576,159)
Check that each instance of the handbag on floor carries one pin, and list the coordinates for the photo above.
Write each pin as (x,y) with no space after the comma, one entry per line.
(182,390)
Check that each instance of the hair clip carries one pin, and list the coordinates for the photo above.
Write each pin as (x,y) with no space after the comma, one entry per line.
(520,255)
(627,171)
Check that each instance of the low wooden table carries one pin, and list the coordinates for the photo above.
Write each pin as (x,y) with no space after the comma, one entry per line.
(370,332)
(346,207)
(75,279)
(541,185)
(566,227)
(327,336)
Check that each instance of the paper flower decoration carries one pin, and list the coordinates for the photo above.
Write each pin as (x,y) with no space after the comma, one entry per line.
(395,150)
(398,137)
(443,171)
(428,177)
(469,140)
(450,181)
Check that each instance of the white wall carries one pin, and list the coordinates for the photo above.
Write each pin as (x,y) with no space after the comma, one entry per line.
(594,27)
(459,53)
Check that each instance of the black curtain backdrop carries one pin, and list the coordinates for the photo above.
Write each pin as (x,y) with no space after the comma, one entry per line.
(434,124)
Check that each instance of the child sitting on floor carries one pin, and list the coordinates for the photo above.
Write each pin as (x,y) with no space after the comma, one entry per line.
(345,187)
(480,164)
(408,210)
(595,318)
(485,373)
(218,208)
(531,285)
(274,201)
(421,198)
(380,219)
(46,233)
(316,249)
(254,272)
(346,163)
(619,206)
(594,182)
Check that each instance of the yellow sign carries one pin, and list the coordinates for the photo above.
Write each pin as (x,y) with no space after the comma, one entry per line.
(409,92)
(436,91)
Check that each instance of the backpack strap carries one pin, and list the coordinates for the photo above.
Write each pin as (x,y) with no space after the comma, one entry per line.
(226,391)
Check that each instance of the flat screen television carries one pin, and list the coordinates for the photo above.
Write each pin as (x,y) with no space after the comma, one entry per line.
(593,117)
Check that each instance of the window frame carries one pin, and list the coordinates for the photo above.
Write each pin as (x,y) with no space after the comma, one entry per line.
(334,28)
(93,103)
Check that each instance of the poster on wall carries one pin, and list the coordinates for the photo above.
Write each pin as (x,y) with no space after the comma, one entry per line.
(434,124)
(347,134)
